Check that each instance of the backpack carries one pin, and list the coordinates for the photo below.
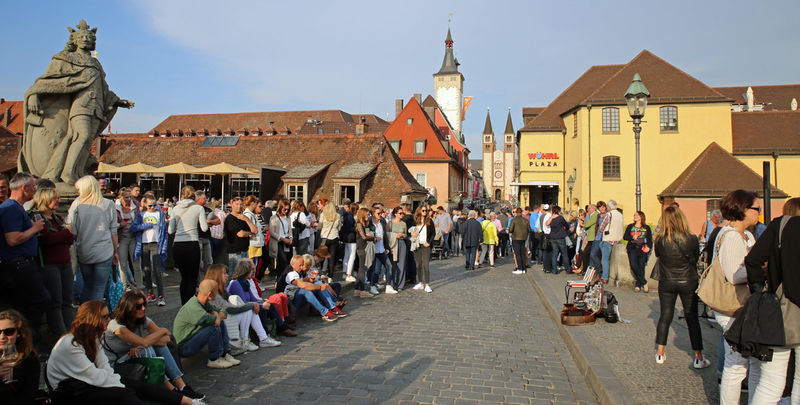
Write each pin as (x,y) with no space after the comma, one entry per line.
(609,309)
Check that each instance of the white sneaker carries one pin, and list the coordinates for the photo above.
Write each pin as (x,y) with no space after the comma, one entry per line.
(428,288)
(218,363)
(198,402)
(516,271)
(231,360)
(701,363)
(390,289)
(268,342)
(350,278)
(419,286)
(249,346)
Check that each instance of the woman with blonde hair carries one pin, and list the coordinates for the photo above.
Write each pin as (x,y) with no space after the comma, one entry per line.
(677,250)
(54,243)
(252,212)
(94,224)
(330,224)
(187,217)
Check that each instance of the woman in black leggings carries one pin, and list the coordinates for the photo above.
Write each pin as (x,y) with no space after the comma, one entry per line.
(677,250)
(422,255)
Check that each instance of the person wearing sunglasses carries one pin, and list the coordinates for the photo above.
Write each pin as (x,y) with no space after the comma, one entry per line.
(280,236)
(150,228)
(19,377)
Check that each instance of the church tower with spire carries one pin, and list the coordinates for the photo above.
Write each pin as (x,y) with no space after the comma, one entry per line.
(509,158)
(489,150)
(448,84)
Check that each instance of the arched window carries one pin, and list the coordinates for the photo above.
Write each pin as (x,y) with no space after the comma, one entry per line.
(669,118)
(611,119)
(611,169)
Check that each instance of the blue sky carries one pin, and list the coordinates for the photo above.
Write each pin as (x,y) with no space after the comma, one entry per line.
(185,57)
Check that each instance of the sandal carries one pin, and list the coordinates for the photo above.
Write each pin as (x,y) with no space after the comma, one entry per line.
(637,289)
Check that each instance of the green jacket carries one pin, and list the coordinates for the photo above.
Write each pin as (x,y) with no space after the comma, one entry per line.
(518,228)
(590,225)
(192,317)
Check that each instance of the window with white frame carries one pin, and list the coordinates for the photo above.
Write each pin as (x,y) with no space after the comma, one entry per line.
(395,144)
(422,179)
(669,118)
(295,192)
(419,147)
(611,119)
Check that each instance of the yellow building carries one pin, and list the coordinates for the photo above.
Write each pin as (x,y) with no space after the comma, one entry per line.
(584,133)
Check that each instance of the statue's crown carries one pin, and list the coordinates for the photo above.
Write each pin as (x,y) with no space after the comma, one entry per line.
(82,26)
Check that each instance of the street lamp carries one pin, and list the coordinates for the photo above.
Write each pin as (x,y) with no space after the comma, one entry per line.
(636,97)
(570,184)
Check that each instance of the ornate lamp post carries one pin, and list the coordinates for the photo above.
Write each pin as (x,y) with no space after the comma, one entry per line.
(570,184)
(636,97)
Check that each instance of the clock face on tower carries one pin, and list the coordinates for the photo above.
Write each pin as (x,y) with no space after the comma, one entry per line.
(498,174)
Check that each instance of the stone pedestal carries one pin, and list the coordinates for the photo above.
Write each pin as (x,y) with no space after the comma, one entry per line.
(620,271)
(64,203)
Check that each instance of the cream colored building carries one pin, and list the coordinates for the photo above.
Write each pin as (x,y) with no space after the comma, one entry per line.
(498,166)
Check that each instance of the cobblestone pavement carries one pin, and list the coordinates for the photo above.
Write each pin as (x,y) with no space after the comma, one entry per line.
(480,337)
(629,348)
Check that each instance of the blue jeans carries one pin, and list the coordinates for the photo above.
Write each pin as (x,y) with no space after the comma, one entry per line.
(446,244)
(595,255)
(470,255)
(301,297)
(605,249)
(172,371)
(559,246)
(381,265)
(325,298)
(215,337)
(95,277)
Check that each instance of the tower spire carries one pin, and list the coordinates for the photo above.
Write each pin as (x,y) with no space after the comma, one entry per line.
(449,64)
(509,125)
(487,128)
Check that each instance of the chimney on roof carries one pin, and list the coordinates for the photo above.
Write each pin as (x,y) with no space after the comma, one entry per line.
(362,127)
(398,107)
(101,145)
(7,117)
(2,100)
(418,97)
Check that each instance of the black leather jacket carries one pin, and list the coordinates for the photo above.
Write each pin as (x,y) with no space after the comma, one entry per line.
(677,260)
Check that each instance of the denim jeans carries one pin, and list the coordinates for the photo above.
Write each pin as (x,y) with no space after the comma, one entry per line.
(151,267)
(559,246)
(95,277)
(206,257)
(301,297)
(381,264)
(130,271)
(399,266)
(470,256)
(595,255)
(58,281)
(325,298)
(446,243)
(215,337)
(605,250)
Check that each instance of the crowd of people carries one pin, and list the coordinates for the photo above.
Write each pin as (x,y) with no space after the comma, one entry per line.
(222,254)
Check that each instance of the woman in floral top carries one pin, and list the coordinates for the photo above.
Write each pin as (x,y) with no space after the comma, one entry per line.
(640,242)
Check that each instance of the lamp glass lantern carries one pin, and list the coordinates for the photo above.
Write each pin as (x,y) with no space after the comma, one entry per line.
(636,97)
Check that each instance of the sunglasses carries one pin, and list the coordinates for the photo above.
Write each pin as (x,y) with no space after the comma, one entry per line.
(756,209)
(151,205)
(423,210)
(106,316)
(141,306)
(9,331)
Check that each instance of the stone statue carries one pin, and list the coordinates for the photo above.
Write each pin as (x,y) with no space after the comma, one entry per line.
(65,110)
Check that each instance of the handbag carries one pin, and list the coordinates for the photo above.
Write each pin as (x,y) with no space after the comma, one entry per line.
(716,291)
(789,311)
(114,289)
(131,370)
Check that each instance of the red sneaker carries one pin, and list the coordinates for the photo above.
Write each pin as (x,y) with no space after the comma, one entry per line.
(339,313)
(329,317)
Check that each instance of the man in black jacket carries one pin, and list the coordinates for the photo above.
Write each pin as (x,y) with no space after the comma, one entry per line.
(472,238)
(518,231)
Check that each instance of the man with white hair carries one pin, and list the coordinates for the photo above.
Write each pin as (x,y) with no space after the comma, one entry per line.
(709,225)
(471,238)
(612,234)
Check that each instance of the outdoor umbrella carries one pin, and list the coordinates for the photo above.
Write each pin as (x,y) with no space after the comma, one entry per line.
(178,168)
(106,168)
(223,169)
(136,168)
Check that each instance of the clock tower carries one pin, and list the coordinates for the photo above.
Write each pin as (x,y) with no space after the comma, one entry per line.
(448,85)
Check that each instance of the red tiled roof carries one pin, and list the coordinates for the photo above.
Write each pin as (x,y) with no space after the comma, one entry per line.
(532,110)
(420,128)
(666,83)
(6,133)
(550,117)
(775,97)
(766,132)
(293,120)
(391,178)
(15,125)
(702,177)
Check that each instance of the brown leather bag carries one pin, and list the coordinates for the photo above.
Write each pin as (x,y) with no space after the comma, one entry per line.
(716,291)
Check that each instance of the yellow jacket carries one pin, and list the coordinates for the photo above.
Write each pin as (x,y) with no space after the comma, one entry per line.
(489,232)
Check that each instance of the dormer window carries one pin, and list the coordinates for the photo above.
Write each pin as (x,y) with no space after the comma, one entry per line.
(409,122)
